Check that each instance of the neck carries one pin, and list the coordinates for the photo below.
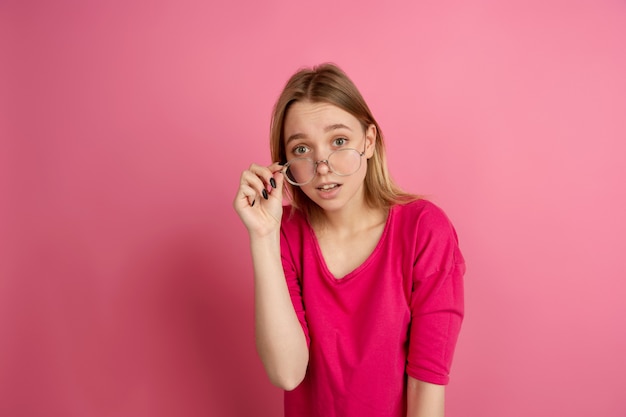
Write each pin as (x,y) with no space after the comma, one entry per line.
(349,221)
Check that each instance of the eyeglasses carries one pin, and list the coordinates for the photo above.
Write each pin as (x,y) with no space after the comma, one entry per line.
(342,162)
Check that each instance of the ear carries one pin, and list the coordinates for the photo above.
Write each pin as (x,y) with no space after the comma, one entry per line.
(370,139)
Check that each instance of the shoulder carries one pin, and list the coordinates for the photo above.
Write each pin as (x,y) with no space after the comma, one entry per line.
(425,227)
(432,238)
(422,215)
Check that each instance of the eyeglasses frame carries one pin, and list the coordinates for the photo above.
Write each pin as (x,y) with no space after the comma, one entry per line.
(316,163)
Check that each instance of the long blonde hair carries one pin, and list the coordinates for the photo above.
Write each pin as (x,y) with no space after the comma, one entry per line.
(327,83)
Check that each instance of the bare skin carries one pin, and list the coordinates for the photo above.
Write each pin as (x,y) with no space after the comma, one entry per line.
(425,399)
(279,337)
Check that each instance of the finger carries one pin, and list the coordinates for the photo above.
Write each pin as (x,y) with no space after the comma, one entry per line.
(279,180)
(275,167)
(246,196)
(266,174)
(252,179)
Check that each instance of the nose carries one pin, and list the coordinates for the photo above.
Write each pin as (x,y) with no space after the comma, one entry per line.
(321,166)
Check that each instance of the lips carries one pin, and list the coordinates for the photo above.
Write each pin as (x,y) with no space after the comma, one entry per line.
(327,187)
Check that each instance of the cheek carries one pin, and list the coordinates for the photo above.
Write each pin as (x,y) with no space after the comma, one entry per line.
(364,166)
(364,170)
(357,179)
(308,190)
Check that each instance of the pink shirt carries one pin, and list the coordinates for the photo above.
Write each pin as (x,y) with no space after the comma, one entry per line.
(398,313)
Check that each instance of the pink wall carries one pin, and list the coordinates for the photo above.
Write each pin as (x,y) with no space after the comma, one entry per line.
(125,285)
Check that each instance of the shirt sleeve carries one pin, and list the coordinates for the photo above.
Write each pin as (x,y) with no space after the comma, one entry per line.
(436,302)
(294,285)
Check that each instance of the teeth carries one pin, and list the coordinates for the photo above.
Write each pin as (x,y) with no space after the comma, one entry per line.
(328,186)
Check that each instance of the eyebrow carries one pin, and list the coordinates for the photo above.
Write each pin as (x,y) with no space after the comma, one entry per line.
(327,129)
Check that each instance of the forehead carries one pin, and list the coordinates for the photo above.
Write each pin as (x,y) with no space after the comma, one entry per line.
(308,118)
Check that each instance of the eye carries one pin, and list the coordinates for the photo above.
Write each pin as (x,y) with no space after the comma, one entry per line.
(299,150)
(340,141)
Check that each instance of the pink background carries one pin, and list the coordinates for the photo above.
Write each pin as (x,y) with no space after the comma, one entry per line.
(125,286)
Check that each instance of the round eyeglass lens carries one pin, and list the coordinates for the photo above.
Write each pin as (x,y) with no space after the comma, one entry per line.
(300,171)
(345,161)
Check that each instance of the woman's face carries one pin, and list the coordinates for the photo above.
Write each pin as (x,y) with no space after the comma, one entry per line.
(315,130)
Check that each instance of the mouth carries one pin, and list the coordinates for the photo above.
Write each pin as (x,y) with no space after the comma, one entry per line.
(328,187)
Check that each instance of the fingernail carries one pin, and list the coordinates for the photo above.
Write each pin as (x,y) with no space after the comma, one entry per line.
(272,183)
(253,201)
(265,194)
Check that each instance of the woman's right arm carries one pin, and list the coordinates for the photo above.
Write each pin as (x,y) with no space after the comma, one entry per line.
(280,339)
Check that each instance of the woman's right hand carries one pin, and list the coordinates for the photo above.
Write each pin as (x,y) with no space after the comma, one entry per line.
(259,200)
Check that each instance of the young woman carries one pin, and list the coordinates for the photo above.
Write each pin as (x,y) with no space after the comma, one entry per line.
(358,285)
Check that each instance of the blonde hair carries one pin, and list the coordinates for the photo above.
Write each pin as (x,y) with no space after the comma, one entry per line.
(327,83)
